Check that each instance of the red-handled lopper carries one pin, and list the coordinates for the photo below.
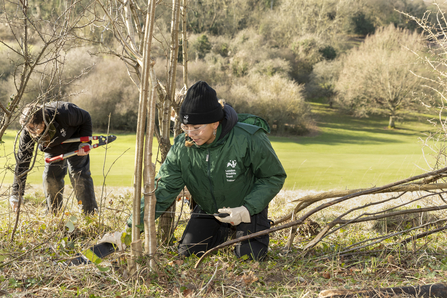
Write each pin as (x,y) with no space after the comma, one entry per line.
(102,140)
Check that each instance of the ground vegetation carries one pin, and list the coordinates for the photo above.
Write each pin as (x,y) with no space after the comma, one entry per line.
(33,264)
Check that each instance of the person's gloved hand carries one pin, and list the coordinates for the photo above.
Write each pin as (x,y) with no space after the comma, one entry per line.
(236,215)
(14,201)
(114,238)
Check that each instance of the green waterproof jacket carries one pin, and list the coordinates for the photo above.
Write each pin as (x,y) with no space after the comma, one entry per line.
(238,169)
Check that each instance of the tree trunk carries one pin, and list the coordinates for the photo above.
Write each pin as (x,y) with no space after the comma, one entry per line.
(149,169)
(142,113)
(149,174)
(391,123)
(184,44)
(166,223)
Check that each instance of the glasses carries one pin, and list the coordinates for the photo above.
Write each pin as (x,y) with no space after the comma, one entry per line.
(196,129)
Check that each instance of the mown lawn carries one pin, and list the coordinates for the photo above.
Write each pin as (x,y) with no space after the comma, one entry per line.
(353,153)
(344,153)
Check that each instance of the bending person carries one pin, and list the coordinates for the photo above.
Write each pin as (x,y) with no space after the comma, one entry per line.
(65,120)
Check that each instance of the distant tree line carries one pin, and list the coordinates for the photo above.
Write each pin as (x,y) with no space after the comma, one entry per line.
(263,57)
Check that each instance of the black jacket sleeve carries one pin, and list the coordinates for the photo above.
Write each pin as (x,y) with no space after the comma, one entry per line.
(24,156)
(81,118)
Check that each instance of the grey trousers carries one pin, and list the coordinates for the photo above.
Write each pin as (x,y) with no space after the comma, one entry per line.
(81,180)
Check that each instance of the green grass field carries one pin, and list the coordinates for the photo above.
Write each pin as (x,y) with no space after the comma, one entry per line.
(353,153)
(345,153)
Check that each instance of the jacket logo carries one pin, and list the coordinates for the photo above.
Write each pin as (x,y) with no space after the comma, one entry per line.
(185,119)
(231,172)
(232,163)
(63,133)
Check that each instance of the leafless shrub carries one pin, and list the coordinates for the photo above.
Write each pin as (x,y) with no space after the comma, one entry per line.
(323,80)
(276,99)
(300,17)
(108,90)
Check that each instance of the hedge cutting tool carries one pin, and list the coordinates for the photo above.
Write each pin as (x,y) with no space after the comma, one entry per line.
(222,215)
(102,140)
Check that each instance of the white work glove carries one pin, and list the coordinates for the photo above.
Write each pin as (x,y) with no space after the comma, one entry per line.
(14,201)
(114,238)
(236,215)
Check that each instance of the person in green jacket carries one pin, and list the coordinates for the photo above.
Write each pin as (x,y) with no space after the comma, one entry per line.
(228,167)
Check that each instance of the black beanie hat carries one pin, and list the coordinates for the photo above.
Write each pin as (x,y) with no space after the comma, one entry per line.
(201,105)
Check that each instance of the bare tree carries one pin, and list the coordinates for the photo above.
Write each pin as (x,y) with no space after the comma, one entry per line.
(147,101)
(377,76)
(125,19)
(36,47)
(136,44)
(164,115)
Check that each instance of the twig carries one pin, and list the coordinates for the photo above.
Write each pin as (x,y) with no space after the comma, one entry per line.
(101,203)
(433,290)
(179,216)
(374,216)
(421,235)
(211,279)
(306,201)
(324,233)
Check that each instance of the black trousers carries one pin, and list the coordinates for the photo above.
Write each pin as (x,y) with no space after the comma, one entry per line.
(81,180)
(204,232)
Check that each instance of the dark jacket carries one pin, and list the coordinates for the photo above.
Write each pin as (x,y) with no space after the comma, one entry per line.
(240,168)
(66,121)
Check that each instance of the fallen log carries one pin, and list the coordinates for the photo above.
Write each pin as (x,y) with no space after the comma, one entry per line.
(425,291)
